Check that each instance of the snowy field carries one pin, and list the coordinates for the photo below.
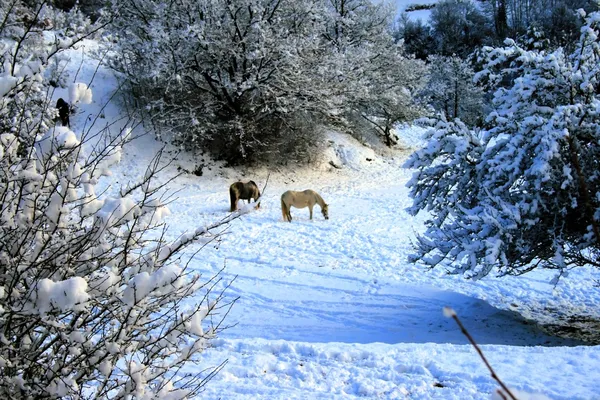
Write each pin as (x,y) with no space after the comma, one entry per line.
(332,309)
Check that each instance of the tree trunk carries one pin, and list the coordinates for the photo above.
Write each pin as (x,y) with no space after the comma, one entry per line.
(501,20)
(583,188)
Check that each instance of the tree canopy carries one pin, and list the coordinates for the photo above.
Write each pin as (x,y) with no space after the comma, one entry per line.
(245,79)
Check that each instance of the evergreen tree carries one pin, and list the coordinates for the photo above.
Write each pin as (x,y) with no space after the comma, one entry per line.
(525,192)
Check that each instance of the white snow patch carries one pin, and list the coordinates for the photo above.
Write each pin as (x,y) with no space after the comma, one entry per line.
(70,294)
(80,93)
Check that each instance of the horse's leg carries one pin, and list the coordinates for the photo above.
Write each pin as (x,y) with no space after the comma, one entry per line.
(310,210)
(233,199)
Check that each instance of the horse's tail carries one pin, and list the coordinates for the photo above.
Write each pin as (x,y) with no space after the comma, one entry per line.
(257,198)
(233,198)
(284,209)
(256,193)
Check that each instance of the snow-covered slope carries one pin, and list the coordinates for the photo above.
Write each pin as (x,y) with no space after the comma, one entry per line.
(332,309)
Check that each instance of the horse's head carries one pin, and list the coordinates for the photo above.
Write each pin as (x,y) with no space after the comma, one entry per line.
(325,211)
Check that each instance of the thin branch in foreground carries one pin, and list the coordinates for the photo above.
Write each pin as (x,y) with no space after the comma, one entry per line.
(263,190)
(450,313)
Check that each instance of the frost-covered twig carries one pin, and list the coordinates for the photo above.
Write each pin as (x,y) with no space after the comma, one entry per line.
(262,192)
(450,313)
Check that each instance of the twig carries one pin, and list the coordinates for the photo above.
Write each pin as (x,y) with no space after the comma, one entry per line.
(263,189)
(450,313)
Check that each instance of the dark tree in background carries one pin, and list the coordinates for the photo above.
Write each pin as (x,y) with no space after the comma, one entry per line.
(458,27)
(452,92)
(416,37)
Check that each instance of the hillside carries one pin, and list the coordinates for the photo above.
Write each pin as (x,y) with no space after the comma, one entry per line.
(332,309)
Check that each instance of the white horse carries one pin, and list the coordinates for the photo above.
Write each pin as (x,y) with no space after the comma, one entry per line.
(306,198)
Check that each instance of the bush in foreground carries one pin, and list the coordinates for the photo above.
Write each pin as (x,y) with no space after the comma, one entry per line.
(94,302)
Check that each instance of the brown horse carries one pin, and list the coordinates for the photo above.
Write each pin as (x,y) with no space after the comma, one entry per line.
(307,198)
(243,191)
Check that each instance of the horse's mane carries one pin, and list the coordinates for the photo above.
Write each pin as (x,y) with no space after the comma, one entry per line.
(319,198)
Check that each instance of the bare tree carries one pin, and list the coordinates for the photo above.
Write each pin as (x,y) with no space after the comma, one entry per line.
(94,300)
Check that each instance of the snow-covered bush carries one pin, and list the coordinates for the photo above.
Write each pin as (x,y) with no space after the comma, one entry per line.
(232,77)
(524,193)
(250,79)
(92,296)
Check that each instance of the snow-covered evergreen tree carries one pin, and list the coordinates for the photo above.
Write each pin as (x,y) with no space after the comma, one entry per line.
(92,297)
(524,193)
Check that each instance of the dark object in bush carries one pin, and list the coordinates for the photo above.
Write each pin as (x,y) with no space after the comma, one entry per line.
(417,7)
(63,112)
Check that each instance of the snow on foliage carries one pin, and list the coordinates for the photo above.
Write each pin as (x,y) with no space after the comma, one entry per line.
(79,93)
(449,312)
(525,191)
(90,304)
(70,294)
(249,78)
(57,138)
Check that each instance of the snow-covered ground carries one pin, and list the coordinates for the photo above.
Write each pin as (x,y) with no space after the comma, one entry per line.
(332,309)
